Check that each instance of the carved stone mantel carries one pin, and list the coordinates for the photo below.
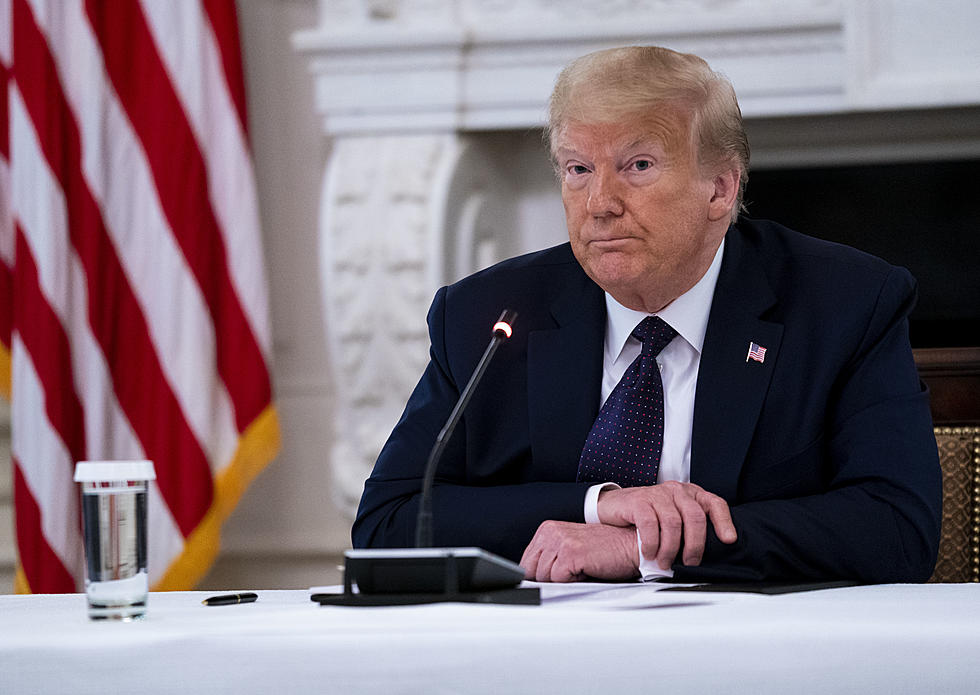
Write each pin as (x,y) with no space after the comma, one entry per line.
(490,64)
(413,95)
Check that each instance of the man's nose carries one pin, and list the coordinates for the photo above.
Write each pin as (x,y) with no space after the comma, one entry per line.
(604,199)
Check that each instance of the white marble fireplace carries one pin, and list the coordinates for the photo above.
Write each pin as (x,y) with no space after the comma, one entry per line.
(433,110)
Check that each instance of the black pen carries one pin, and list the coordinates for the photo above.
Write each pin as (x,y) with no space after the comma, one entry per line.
(228,599)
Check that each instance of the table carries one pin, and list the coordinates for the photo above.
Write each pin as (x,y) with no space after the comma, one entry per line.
(603,639)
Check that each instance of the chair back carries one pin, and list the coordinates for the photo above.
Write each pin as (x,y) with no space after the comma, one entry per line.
(959,546)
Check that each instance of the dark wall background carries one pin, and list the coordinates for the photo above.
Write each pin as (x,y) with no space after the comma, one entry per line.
(922,215)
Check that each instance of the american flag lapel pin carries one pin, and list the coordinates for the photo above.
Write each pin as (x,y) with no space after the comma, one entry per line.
(756,352)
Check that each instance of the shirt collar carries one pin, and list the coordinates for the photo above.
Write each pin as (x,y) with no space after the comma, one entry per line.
(688,314)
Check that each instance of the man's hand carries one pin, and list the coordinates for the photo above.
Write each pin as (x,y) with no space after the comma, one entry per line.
(562,551)
(666,514)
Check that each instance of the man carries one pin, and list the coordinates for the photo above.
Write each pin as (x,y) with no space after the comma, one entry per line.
(761,417)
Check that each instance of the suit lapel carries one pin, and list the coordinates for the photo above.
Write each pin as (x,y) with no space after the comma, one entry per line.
(731,388)
(564,366)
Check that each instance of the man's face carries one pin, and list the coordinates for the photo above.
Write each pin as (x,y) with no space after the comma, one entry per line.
(644,220)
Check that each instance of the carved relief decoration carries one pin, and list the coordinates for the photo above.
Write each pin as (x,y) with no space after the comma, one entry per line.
(502,11)
(381,240)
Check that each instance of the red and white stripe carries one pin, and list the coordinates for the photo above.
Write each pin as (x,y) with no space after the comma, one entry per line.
(139,324)
(6,214)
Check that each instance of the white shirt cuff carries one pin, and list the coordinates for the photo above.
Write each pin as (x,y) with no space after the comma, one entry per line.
(649,569)
(592,501)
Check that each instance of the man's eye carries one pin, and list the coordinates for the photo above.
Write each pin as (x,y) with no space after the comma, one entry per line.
(642,164)
(577,169)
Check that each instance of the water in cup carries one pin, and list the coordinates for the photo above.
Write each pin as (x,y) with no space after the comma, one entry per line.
(114,524)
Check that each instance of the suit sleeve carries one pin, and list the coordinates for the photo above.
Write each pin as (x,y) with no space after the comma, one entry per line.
(878,520)
(470,507)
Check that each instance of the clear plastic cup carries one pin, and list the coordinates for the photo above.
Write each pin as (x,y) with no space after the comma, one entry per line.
(114,520)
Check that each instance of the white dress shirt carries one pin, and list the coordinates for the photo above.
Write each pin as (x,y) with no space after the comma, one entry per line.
(679,362)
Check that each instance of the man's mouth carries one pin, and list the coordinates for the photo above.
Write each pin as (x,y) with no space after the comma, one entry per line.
(611,240)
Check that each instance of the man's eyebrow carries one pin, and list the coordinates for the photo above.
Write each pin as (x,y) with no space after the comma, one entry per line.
(644,141)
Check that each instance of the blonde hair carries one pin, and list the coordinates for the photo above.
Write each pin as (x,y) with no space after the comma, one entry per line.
(613,84)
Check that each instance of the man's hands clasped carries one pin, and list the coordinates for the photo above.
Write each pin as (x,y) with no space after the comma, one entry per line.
(666,516)
(562,551)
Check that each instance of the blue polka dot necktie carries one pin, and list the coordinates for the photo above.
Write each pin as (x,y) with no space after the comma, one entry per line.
(627,437)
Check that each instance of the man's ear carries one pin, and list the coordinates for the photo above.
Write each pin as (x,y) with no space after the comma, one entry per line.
(725,192)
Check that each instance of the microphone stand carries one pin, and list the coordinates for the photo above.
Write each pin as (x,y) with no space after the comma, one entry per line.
(423,528)
(405,576)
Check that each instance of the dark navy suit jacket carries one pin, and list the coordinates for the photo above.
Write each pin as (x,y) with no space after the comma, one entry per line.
(824,451)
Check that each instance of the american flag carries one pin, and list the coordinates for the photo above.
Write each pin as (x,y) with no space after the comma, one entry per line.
(133,307)
(756,352)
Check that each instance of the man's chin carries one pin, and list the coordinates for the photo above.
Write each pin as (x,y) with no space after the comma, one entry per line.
(616,276)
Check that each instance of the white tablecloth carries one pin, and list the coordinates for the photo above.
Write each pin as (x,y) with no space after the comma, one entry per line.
(882,639)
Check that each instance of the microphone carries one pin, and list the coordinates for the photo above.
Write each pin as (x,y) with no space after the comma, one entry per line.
(502,330)
(404,576)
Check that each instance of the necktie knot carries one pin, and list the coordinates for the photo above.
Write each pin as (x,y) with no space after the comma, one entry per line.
(654,333)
